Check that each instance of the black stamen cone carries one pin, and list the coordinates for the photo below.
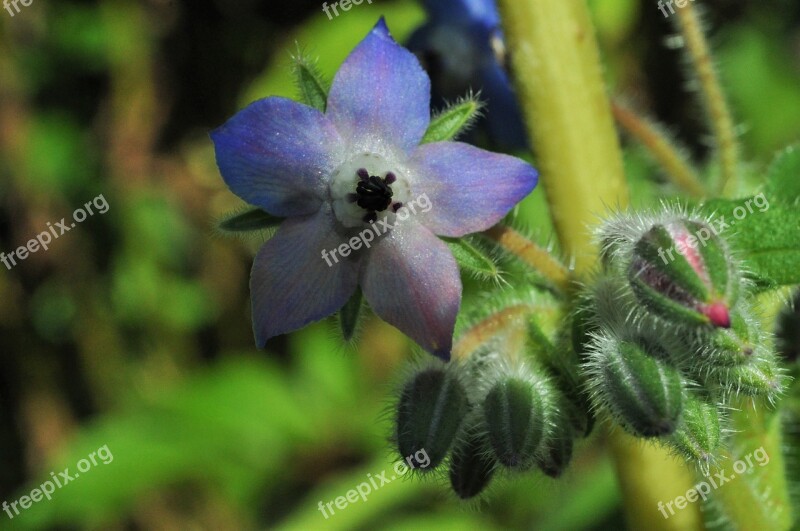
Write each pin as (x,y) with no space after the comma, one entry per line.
(374,194)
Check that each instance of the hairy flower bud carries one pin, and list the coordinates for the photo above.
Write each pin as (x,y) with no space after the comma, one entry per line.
(724,347)
(556,457)
(431,408)
(472,465)
(519,411)
(683,272)
(634,382)
(699,435)
(762,377)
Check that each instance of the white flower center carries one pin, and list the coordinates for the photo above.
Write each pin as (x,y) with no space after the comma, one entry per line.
(366,188)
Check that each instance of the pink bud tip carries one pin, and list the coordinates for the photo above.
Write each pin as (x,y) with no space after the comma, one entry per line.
(718,314)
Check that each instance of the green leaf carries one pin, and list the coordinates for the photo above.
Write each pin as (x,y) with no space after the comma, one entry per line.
(472,259)
(349,314)
(312,85)
(250,220)
(783,177)
(766,236)
(452,121)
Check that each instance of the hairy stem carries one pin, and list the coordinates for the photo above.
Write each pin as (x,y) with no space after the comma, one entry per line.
(713,97)
(559,81)
(558,76)
(661,148)
(530,253)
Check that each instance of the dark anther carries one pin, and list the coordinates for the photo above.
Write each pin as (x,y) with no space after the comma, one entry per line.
(390,178)
(370,217)
(396,207)
(362,174)
(374,194)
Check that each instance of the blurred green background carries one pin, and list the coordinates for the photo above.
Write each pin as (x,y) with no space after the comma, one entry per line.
(133,330)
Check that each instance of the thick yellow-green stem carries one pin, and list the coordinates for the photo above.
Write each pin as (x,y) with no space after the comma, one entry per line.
(559,81)
(558,75)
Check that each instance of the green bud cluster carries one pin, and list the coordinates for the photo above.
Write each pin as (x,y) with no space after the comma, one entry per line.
(667,334)
(488,413)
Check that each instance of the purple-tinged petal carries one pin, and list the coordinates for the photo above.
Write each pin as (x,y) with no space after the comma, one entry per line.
(292,284)
(469,189)
(278,154)
(380,95)
(412,282)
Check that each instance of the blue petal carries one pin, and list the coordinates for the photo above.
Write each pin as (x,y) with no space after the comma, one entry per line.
(292,284)
(380,95)
(463,11)
(412,282)
(469,189)
(278,154)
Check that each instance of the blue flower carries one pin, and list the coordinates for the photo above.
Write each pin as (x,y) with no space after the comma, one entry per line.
(462,48)
(359,168)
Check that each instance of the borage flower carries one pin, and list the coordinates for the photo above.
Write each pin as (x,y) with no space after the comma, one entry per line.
(335,174)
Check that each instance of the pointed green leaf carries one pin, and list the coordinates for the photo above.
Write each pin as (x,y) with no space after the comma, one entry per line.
(312,85)
(471,258)
(783,177)
(452,121)
(766,235)
(250,220)
(349,314)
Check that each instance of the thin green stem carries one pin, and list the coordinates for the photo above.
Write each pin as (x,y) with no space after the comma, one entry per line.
(532,254)
(713,97)
(662,149)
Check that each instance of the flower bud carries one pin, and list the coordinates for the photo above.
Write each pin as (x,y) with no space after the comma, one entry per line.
(762,377)
(556,457)
(726,347)
(471,465)
(518,413)
(681,271)
(699,435)
(636,384)
(429,413)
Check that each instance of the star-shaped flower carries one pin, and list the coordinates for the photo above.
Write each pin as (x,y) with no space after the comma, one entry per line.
(357,168)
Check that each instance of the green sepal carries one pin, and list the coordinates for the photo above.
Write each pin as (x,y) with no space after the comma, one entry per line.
(248,221)
(472,259)
(349,314)
(453,120)
(311,85)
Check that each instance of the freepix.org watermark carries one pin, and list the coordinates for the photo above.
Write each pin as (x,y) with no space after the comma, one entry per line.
(663,5)
(717,226)
(345,5)
(8,4)
(46,237)
(704,488)
(376,230)
(419,459)
(47,489)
